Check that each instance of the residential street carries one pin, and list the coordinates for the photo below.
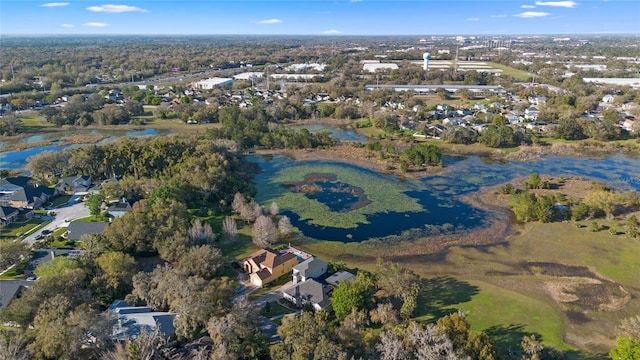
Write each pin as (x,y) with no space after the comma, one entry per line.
(72,210)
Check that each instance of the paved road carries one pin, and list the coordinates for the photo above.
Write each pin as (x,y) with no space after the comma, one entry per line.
(72,210)
(266,326)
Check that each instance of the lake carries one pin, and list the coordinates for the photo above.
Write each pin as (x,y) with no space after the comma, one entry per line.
(18,159)
(334,132)
(428,205)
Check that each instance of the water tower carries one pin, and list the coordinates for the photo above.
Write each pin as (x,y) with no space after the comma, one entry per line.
(426,57)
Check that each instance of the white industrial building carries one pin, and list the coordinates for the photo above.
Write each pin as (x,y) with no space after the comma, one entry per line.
(305,67)
(248,76)
(633,82)
(373,67)
(211,83)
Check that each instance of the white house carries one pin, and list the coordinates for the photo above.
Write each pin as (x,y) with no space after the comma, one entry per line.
(309,269)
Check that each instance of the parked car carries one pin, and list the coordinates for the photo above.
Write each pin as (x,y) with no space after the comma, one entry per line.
(46,232)
(38,237)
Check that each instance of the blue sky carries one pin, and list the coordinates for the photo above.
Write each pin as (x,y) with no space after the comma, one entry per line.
(318,17)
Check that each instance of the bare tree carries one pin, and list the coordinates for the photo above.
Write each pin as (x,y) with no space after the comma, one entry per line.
(230,228)
(201,234)
(274,209)
(13,347)
(385,314)
(264,232)
(147,346)
(239,203)
(251,211)
(391,347)
(284,227)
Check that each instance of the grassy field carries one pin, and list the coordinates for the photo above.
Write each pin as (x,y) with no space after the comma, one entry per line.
(508,297)
(518,75)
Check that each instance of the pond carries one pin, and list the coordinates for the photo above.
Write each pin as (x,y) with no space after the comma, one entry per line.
(18,159)
(334,132)
(341,202)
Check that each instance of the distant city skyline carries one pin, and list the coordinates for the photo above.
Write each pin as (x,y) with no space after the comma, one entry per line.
(319,17)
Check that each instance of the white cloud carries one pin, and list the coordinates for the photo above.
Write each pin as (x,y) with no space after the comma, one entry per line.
(499,15)
(527,6)
(66,25)
(473,19)
(269,21)
(115,9)
(331,32)
(532,14)
(95,24)
(564,4)
(55,4)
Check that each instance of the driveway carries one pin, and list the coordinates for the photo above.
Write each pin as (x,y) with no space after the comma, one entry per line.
(266,326)
(69,211)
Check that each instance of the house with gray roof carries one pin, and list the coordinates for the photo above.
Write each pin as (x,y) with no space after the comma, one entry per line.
(312,268)
(119,209)
(310,291)
(78,228)
(75,184)
(10,289)
(339,277)
(22,192)
(135,320)
(8,215)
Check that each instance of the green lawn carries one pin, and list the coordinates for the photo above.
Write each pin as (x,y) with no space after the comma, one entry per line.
(24,228)
(60,200)
(275,309)
(15,272)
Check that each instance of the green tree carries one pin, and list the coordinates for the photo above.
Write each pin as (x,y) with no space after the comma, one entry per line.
(114,278)
(94,203)
(11,252)
(349,295)
(626,349)
(579,211)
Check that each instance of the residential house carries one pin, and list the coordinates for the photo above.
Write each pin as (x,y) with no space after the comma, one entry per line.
(114,95)
(8,215)
(513,118)
(608,99)
(265,266)
(20,192)
(132,321)
(312,292)
(311,268)
(11,289)
(457,121)
(119,209)
(75,184)
(628,125)
(339,277)
(78,228)
(531,113)
(538,100)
